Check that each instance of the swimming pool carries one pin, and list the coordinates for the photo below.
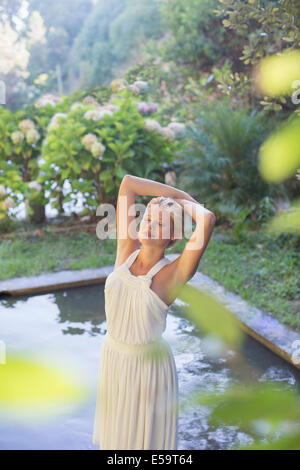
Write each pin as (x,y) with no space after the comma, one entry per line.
(66,328)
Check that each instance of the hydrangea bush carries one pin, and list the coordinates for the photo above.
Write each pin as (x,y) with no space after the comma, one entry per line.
(90,140)
(10,178)
(94,145)
(21,135)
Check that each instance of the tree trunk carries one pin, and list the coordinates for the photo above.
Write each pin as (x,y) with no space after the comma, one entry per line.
(38,214)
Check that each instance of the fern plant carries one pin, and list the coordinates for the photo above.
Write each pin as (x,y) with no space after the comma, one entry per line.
(220,164)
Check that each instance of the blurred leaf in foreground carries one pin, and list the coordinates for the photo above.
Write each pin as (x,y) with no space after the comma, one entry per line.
(27,384)
(288,221)
(279,155)
(289,442)
(211,316)
(276,74)
(242,404)
(260,410)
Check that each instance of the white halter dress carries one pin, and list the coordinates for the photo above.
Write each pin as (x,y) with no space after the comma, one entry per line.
(137,392)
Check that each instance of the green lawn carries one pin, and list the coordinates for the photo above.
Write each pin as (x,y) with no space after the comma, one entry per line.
(260,269)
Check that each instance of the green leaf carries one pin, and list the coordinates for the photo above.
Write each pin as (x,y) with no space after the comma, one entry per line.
(226,23)
(28,384)
(279,155)
(287,442)
(287,221)
(115,147)
(109,186)
(211,316)
(76,167)
(120,172)
(65,173)
(263,401)
(105,175)
(119,126)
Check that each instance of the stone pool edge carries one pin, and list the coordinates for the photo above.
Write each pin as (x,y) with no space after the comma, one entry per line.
(266,329)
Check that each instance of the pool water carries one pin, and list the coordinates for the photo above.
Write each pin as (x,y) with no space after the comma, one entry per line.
(66,328)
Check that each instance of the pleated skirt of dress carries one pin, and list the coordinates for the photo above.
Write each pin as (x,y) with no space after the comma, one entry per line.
(137,397)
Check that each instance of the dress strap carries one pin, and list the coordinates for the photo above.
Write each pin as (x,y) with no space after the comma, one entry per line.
(131,258)
(157,267)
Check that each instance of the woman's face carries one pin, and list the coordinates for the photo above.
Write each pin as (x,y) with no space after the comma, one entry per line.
(155,226)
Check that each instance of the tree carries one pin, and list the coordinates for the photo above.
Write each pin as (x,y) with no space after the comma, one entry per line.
(195,34)
(112,34)
(270,25)
(17,37)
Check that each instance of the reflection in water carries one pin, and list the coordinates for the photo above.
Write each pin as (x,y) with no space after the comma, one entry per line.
(66,327)
(81,309)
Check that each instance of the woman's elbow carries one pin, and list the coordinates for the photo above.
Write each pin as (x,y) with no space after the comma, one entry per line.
(212,218)
(126,177)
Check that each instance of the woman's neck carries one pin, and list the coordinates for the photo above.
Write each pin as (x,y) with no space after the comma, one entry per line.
(149,256)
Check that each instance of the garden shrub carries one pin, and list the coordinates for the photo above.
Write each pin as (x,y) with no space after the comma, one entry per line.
(221,160)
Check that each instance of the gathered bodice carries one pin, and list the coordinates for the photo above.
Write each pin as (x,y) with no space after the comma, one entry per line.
(135,314)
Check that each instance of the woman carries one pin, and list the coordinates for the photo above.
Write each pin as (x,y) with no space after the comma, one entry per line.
(137,394)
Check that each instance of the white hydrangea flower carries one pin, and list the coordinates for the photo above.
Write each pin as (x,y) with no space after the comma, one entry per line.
(26,125)
(97,149)
(167,133)
(88,140)
(152,125)
(97,114)
(54,120)
(90,100)
(93,114)
(178,128)
(112,107)
(119,84)
(42,103)
(17,137)
(41,161)
(2,190)
(48,98)
(106,111)
(32,136)
(141,85)
(35,185)
(76,106)
(134,89)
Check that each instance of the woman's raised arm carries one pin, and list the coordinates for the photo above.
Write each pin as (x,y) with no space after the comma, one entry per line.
(130,187)
(146,187)
(186,265)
